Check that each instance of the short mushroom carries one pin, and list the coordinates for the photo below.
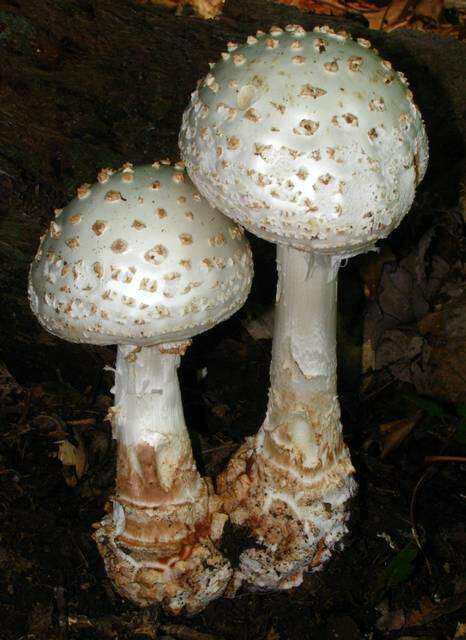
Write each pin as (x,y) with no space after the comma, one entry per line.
(312,141)
(142,261)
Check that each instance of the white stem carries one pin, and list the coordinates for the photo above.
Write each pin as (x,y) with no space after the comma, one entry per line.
(158,543)
(150,428)
(148,395)
(291,484)
(302,429)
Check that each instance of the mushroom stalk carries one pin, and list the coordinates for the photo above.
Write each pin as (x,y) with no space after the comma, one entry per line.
(158,543)
(155,462)
(291,483)
(302,431)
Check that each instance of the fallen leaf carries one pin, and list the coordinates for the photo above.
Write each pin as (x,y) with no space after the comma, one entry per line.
(425,15)
(431,324)
(370,267)
(395,432)
(220,410)
(430,611)
(391,15)
(272,634)
(389,620)
(165,4)
(433,409)
(430,9)
(401,567)
(206,9)
(416,617)
(73,456)
(261,328)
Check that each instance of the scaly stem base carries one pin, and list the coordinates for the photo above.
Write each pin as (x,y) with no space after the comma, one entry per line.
(291,484)
(159,542)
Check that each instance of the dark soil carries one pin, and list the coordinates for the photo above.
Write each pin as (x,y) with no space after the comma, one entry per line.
(99,82)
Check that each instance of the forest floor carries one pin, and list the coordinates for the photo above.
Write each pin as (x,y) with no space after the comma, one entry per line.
(401,573)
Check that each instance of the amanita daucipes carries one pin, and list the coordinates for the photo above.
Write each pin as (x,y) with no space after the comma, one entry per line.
(311,141)
(141,260)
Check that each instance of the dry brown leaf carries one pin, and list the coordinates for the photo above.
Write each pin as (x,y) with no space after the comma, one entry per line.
(370,267)
(429,611)
(206,9)
(261,328)
(417,616)
(389,620)
(424,15)
(395,432)
(331,8)
(220,410)
(395,13)
(165,4)
(73,456)
(430,9)
(431,324)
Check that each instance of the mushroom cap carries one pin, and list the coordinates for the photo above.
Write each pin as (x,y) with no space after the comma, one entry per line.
(139,258)
(307,139)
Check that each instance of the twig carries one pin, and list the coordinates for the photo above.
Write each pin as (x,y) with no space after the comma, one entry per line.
(387,8)
(229,445)
(26,407)
(336,5)
(445,459)
(185,633)
(412,515)
(377,391)
(397,25)
(83,422)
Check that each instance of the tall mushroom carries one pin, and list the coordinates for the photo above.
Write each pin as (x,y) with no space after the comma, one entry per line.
(142,261)
(311,141)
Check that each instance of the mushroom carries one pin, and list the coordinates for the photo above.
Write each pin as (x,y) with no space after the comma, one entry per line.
(142,261)
(311,141)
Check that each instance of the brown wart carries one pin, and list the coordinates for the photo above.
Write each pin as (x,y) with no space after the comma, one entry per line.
(113,196)
(73,243)
(185,238)
(83,191)
(138,225)
(119,246)
(156,255)
(308,90)
(99,227)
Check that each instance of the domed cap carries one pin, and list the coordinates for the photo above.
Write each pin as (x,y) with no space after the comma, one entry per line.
(308,139)
(139,258)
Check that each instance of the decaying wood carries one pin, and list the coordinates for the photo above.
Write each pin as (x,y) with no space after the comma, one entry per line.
(96,83)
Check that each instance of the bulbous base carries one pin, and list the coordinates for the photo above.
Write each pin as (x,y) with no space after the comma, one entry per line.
(180,572)
(296,525)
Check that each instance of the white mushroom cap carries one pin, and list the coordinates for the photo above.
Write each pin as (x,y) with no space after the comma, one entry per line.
(139,258)
(308,139)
